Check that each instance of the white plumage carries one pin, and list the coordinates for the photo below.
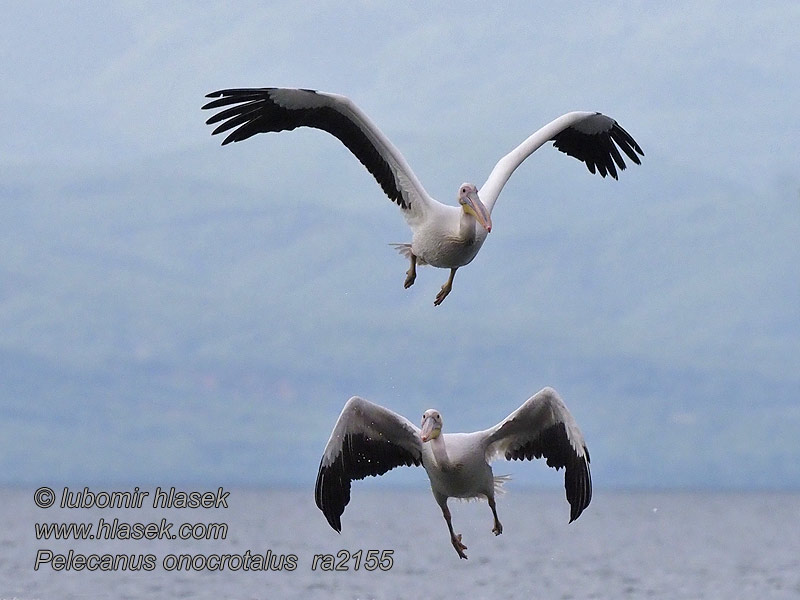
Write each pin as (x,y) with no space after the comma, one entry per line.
(443,236)
(370,440)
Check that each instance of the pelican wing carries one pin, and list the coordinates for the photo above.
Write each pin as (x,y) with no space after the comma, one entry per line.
(367,440)
(543,427)
(594,140)
(591,137)
(262,110)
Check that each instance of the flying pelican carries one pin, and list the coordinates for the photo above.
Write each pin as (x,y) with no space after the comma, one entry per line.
(443,236)
(370,440)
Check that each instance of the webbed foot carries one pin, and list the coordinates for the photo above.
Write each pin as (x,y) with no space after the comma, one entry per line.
(459,546)
(448,285)
(411,276)
(442,294)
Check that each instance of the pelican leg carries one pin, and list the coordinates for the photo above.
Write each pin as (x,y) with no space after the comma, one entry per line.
(411,274)
(445,288)
(455,538)
(498,527)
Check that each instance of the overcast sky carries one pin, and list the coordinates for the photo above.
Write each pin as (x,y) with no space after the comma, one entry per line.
(173,310)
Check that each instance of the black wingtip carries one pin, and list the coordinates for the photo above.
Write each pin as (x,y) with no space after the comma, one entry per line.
(579,493)
(334,520)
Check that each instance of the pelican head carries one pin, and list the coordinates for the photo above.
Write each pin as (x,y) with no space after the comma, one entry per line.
(431,425)
(472,205)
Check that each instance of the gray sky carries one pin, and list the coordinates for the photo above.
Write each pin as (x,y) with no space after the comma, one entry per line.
(175,311)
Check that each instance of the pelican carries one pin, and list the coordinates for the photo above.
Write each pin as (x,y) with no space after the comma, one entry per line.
(370,440)
(444,236)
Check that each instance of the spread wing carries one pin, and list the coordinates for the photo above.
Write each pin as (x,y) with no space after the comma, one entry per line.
(591,137)
(261,110)
(367,440)
(543,428)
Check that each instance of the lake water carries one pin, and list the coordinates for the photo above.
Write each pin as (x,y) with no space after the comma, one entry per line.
(626,545)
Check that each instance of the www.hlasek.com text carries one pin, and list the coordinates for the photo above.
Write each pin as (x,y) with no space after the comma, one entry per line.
(114,529)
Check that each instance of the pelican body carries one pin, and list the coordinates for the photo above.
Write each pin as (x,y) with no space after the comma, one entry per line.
(369,439)
(443,236)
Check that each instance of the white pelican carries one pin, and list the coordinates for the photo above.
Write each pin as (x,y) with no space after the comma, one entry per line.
(443,236)
(370,440)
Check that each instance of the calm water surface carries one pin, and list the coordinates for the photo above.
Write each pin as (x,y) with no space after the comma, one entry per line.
(626,545)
